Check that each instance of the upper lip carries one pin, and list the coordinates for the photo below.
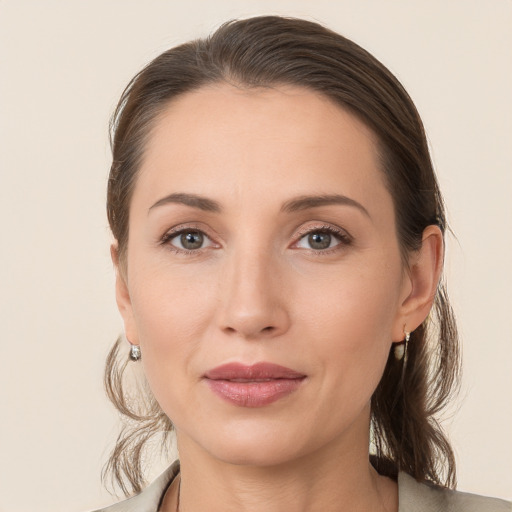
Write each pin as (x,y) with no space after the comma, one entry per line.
(258,371)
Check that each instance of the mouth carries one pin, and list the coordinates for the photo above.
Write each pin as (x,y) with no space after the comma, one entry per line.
(253,386)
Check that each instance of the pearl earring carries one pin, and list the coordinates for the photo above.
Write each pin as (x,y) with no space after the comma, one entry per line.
(401,348)
(135,353)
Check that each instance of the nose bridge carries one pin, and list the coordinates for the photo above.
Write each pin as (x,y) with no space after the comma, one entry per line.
(252,301)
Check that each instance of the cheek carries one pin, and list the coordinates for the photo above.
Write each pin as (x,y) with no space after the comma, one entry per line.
(354,300)
(351,318)
(169,303)
(172,312)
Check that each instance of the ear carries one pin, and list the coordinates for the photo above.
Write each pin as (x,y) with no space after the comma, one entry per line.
(420,284)
(123,300)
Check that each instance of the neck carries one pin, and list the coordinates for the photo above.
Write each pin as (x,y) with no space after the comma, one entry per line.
(326,480)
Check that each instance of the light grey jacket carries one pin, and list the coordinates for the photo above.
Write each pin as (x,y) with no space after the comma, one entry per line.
(412,497)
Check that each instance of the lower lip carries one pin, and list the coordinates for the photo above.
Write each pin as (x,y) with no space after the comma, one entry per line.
(254,394)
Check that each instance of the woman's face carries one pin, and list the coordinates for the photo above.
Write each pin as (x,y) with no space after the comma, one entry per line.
(261,231)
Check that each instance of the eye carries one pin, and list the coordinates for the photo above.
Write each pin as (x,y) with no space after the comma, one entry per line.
(188,240)
(322,239)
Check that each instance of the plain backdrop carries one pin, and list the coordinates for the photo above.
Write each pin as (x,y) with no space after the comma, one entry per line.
(63,65)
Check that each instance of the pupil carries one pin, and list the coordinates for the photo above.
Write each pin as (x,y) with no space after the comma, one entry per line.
(319,240)
(192,240)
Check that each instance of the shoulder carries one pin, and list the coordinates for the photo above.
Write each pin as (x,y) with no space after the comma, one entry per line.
(149,499)
(419,497)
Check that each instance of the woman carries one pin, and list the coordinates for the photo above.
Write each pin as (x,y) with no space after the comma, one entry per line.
(278,246)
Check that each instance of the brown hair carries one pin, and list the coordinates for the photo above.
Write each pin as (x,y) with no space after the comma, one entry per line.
(267,51)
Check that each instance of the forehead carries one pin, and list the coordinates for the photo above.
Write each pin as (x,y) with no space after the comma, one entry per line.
(237,142)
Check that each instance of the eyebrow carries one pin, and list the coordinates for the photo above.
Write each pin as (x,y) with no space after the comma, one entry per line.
(306,202)
(193,200)
(293,205)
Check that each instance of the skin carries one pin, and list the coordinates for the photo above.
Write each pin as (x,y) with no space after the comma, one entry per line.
(256,290)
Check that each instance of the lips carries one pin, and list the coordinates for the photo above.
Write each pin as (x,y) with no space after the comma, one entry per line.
(253,386)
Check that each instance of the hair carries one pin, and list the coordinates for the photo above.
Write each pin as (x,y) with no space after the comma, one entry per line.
(271,51)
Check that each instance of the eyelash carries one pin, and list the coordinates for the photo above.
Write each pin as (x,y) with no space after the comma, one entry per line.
(343,237)
(170,235)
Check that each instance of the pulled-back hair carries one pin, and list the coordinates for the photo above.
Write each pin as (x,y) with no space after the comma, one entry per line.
(271,51)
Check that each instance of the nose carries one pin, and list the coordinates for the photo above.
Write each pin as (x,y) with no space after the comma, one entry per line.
(253,298)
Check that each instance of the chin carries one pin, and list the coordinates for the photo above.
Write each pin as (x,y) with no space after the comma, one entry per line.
(261,443)
(249,454)
(251,445)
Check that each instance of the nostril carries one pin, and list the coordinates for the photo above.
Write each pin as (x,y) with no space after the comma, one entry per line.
(268,329)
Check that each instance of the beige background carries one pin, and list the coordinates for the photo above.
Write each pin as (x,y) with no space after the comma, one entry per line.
(63,64)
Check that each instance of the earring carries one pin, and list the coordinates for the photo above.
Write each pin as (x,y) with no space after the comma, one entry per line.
(135,353)
(401,348)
